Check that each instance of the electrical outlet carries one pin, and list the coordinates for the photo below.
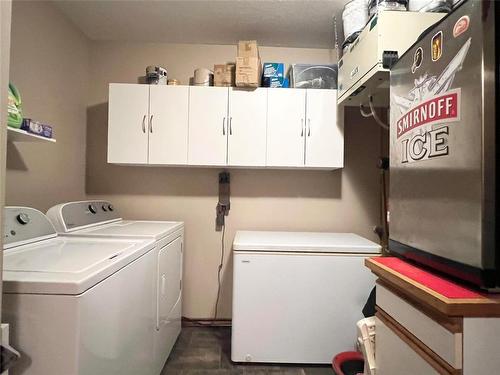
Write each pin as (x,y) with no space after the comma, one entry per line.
(224,204)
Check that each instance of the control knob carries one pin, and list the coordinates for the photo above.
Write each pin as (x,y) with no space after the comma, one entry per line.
(23,218)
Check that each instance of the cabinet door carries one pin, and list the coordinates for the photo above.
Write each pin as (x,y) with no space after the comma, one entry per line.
(169,280)
(127,123)
(208,125)
(324,134)
(247,127)
(285,127)
(395,356)
(168,124)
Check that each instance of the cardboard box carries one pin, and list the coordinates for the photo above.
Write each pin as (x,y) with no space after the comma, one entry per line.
(224,75)
(248,48)
(248,71)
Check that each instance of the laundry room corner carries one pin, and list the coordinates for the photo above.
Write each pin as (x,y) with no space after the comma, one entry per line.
(49,65)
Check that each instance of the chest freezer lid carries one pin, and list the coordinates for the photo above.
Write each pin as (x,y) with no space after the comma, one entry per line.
(313,242)
(64,265)
(133,229)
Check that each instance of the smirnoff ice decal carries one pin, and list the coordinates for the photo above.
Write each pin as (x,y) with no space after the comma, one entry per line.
(425,118)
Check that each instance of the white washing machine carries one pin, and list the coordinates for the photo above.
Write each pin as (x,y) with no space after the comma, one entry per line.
(76,306)
(297,296)
(100,219)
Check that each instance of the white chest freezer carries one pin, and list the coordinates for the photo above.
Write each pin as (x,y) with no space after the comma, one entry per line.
(297,296)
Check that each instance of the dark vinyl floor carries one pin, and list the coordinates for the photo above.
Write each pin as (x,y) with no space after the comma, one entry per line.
(207,350)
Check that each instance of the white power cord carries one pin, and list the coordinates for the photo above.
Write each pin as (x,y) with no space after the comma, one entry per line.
(372,113)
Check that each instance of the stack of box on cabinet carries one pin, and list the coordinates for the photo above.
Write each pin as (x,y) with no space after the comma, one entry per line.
(249,72)
(248,67)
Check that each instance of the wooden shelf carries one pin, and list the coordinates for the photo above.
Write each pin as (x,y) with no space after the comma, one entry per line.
(18,135)
(483,305)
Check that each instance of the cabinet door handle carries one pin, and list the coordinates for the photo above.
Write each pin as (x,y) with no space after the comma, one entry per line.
(224,126)
(144,124)
(230,126)
(151,124)
(309,126)
(301,127)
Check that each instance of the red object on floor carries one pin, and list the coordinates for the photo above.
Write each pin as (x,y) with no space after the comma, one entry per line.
(434,282)
(344,357)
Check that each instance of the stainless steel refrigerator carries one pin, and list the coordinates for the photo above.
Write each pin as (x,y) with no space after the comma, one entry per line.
(443,147)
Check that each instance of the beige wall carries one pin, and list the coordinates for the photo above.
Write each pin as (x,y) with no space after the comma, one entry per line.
(63,79)
(345,200)
(5,24)
(49,66)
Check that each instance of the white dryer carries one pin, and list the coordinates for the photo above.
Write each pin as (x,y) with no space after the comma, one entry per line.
(100,219)
(76,306)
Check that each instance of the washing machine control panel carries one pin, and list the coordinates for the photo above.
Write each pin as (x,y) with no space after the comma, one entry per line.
(25,224)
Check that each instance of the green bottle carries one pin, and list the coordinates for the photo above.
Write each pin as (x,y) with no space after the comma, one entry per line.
(14,109)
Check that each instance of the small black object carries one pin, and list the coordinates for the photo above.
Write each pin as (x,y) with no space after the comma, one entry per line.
(224,204)
(7,358)
(383,163)
(357,91)
(353,367)
(369,308)
(23,218)
(389,58)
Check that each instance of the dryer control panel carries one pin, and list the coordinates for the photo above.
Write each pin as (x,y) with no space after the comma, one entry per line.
(71,216)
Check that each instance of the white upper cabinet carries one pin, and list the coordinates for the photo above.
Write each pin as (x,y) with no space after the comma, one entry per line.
(127,123)
(285,127)
(208,125)
(168,124)
(148,124)
(324,133)
(221,126)
(247,127)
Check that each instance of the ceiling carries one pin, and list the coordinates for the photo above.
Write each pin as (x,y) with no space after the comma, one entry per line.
(287,23)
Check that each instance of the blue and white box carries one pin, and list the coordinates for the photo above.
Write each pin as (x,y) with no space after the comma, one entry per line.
(273,75)
(276,70)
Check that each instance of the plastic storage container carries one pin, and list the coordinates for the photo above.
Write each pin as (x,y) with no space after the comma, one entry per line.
(348,363)
(440,6)
(354,19)
(313,76)
(376,6)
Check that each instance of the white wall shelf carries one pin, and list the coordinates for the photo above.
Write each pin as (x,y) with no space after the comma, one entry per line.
(18,135)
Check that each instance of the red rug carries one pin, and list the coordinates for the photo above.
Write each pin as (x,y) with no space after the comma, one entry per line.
(436,283)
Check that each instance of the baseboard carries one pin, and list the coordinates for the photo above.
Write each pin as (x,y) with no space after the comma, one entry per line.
(191,322)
